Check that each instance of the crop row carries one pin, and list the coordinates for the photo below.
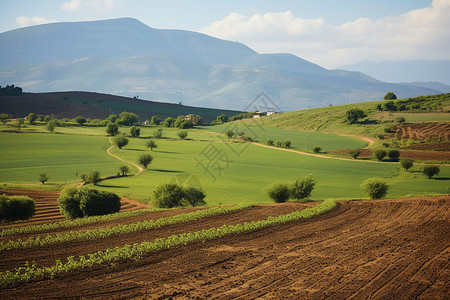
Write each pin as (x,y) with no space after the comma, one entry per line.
(118,229)
(136,251)
(75,222)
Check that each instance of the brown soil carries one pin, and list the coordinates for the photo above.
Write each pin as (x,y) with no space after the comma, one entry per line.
(411,154)
(422,131)
(440,146)
(384,249)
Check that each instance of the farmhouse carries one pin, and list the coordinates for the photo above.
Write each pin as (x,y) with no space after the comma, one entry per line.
(263,113)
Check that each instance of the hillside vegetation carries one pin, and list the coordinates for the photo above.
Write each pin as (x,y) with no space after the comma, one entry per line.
(333,119)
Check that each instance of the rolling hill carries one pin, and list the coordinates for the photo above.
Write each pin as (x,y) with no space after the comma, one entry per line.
(126,57)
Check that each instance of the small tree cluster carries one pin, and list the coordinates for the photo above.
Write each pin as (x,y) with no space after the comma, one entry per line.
(375,187)
(283,144)
(77,203)
(14,208)
(93,177)
(354,114)
(393,154)
(379,154)
(299,189)
(173,195)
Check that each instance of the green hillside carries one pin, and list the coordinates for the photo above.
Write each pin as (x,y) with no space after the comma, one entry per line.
(333,119)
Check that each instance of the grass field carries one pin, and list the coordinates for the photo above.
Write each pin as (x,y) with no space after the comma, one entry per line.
(230,172)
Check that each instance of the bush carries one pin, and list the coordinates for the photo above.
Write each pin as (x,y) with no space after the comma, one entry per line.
(43,178)
(145,160)
(77,203)
(168,195)
(279,192)
(112,129)
(183,134)
(376,188)
(135,131)
(430,171)
(379,154)
(400,119)
(158,133)
(93,177)
(270,142)
(302,188)
(394,155)
(355,153)
(317,150)
(193,196)
(14,208)
(120,141)
(151,144)
(406,164)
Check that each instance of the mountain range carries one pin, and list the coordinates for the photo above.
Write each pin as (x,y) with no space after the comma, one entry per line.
(126,57)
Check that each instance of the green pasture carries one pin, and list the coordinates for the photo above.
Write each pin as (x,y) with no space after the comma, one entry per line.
(423,117)
(230,172)
(301,140)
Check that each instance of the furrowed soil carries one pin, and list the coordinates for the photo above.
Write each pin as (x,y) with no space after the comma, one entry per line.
(383,249)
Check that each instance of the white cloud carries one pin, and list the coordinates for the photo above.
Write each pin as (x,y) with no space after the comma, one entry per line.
(421,33)
(96,5)
(27,21)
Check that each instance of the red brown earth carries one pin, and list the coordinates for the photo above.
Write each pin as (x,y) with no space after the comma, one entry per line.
(383,249)
(422,131)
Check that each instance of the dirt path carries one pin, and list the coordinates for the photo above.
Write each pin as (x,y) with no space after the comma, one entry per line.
(383,249)
(108,151)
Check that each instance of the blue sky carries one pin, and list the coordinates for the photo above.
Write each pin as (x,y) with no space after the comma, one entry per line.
(327,32)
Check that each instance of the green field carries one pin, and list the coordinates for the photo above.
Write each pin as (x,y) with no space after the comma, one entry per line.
(229,171)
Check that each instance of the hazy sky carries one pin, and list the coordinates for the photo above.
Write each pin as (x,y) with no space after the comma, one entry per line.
(327,32)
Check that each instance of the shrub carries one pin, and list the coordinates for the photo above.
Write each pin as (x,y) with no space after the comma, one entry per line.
(406,164)
(168,195)
(112,129)
(376,188)
(77,203)
(394,155)
(80,120)
(302,188)
(355,153)
(287,144)
(43,178)
(151,144)
(15,208)
(279,144)
(270,142)
(317,150)
(279,192)
(135,131)
(145,160)
(93,177)
(158,133)
(430,171)
(169,122)
(124,170)
(193,196)
(120,141)
(400,119)
(230,134)
(379,154)
(354,114)
(182,134)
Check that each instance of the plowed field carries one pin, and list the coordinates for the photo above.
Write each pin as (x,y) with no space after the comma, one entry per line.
(383,249)
(422,131)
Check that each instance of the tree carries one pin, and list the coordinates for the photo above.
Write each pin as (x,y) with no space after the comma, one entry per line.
(158,133)
(169,122)
(317,150)
(287,144)
(151,144)
(155,120)
(279,192)
(379,154)
(93,177)
(178,121)
(390,96)
(355,153)
(20,123)
(43,178)
(393,154)
(112,119)
(5,118)
(120,141)
(135,131)
(168,195)
(124,170)
(32,117)
(112,129)
(302,188)
(354,114)
(430,171)
(230,133)
(80,120)
(196,119)
(51,125)
(400,120)
(193,196)
(376,188)
(48,118)
(270,142)
(406,164)
(145,160)
(390,105)
(128,118)
(183,134)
